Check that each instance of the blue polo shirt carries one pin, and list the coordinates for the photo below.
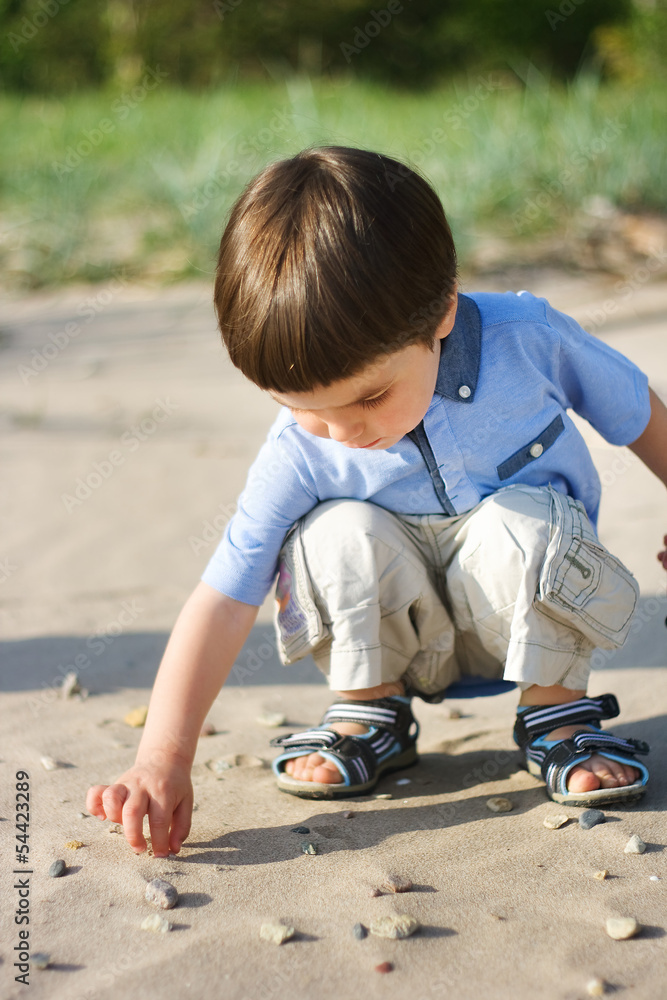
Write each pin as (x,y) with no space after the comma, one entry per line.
(509,371)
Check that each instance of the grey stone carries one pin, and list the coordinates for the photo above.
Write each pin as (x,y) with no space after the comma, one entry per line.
(300,829)
(395,925)
(41,959)
(307,847)
(161,893)
(590,818)
(359,932)
(498,804)
(635,845)
(58,868)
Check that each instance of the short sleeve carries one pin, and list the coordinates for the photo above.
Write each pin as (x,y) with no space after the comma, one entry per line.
(275,496)
(601,385)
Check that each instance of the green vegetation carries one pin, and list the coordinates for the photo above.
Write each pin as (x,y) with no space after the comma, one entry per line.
(139,180)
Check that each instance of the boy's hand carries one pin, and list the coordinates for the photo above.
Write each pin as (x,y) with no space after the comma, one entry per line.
(161,791)
(662,556)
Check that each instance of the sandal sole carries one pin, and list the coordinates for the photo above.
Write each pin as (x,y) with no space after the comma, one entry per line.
(599,796)
(317,790)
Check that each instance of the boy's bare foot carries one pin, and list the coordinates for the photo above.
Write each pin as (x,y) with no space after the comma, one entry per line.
(597,771)
(314,767)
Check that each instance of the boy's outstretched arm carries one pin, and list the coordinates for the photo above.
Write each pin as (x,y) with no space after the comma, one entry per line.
(205,641)
(651,447)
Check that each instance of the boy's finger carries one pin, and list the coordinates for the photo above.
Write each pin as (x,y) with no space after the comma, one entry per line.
(94,803)
(113,799)
(180,825)
(160,821)
(134,811)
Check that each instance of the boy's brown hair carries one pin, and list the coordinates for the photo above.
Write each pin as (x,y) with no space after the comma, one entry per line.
(329,260)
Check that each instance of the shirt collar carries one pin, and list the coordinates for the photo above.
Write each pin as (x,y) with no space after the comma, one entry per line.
(460,354)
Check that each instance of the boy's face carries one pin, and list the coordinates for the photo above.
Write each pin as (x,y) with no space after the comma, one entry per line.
(377,407)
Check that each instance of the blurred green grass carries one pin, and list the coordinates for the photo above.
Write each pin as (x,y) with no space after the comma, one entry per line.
(140,184)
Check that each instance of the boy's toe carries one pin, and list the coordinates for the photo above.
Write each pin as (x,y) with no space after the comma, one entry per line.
(313,767)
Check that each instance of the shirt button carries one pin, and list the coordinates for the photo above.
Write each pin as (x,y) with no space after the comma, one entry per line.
(536,450)
(464,391)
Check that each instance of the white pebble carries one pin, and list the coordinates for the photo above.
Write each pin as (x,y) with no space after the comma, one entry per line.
(635,845)
(595,987)
(49,763)
(403,781)
(622,928)
(156,923)
(272,720)
(275,932)
(654,878)
(556,821)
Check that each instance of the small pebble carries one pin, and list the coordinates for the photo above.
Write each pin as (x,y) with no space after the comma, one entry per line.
(57,869)
(161,893)
(272,720)
(395,926)
(383,795)
(359,932)
(137,717)
(41,960)
(373,893)
(622,928)
(307,847)
(595,987)
(74,845)
(82,815)
(300,829)
(218,766)
(208,729)
(590,818)
(115,828)
(157,923)
(601,875)
(654,878)
(70,685)
(384,967)
(347,814)
(635,845)
(555,822)
(276,932)
(49,763)
(499,805)
(397,883)
(403,781)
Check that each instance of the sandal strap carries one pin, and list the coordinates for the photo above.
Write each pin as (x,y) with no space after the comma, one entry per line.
(585,743)
(388,714)
(543,719)
(358,756)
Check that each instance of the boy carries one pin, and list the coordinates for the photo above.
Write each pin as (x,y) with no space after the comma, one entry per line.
(423,497)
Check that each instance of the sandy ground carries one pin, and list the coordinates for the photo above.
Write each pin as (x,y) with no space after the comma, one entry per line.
(126,437)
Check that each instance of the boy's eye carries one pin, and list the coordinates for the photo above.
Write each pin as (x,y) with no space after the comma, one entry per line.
(376,401)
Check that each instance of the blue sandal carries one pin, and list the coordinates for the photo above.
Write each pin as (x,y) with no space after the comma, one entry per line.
(389,745)
(554,759)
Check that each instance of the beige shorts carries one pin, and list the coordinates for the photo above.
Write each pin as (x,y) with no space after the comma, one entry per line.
(517,588)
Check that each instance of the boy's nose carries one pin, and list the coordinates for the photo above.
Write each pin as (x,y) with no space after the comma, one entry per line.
(345,432)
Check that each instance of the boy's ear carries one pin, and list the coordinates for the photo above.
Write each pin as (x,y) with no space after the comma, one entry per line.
(447,324)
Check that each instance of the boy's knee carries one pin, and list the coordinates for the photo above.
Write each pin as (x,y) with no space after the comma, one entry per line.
(334,521)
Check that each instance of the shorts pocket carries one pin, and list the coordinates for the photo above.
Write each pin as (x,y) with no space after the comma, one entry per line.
(581,583)
(531,451)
